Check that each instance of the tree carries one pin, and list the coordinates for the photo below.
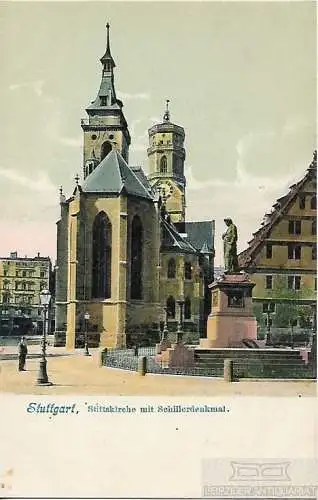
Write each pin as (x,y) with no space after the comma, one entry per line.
(289,309)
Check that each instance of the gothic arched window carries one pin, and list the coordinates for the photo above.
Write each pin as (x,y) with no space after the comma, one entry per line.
(171,307)
(136,258)
(102,257)
(187,308)
(171,268)
(163,165)
(313,203)
(105,149)
(188,271)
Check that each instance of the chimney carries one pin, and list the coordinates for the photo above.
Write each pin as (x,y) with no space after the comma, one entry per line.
(38,254)
(13,255)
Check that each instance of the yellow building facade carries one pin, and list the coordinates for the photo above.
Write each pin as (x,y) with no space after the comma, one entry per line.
(21,280)
(126,257)
(282,256)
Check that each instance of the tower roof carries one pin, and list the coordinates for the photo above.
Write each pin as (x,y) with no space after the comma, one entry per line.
(106,98)
(113,176)
(166,125)
(107,56)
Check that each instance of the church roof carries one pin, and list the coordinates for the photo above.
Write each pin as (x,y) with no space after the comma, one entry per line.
(199,234)
(280,208)
(112,176)
(172,240)
(138,171)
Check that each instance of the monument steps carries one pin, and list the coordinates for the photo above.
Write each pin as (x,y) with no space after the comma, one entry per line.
(254,363)
(258,354)
(274,362)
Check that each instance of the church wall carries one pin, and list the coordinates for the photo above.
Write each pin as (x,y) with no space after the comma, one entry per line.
(74,206)
(180,287)
(61,274)
(112,207)
(175,202)
(107,316)
(149,218)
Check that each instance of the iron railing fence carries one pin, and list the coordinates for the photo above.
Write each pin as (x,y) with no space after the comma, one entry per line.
(280,368)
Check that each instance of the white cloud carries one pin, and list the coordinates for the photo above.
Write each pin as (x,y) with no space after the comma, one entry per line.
(41,184)
(140,95)
(241,182)
(246,197)
(155,119)
(277,152)
(75,142)
(133,126)
(137,147)
(251,139)
(36,86)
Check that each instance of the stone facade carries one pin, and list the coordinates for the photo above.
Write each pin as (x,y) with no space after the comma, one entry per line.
(120,256)
(21,280)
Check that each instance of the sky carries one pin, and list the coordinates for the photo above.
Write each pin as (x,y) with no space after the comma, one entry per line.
(241,78)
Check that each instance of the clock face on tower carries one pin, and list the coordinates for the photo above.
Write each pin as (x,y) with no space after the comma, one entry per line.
(165,189)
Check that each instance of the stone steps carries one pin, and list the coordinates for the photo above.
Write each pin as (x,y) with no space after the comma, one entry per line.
(247,354)
(281,362)
(255,363)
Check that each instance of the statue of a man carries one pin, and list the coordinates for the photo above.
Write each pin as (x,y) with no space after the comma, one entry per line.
(230,247)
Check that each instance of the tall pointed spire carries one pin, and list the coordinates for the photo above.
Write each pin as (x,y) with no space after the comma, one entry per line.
(107,60)
(106,126)
(106,95)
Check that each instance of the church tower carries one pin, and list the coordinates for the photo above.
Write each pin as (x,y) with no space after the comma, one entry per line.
(106,127)
(166,156)
(108,235)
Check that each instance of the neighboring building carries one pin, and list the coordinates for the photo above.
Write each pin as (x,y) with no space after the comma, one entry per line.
(21,280)
(282,256)
(124,249)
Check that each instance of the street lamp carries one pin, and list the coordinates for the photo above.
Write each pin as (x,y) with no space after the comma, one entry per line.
(86,317)
(293,323)
(165,330)
(45,298)
(268,340)
(180,322)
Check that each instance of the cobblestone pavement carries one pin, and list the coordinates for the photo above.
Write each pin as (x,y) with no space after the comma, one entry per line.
(74,373)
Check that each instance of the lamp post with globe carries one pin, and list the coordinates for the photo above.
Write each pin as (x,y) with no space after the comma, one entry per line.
(86,317)
(45,298)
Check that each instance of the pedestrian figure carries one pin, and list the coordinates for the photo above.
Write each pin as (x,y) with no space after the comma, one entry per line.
(136,350)
(23,351)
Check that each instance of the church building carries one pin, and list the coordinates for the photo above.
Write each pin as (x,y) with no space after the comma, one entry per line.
(127,259)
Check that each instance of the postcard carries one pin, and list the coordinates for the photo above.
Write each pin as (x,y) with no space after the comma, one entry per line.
(158,259)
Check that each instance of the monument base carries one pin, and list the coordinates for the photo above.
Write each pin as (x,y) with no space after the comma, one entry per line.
(176,356)
(163,345)
(229,331)
(231,320)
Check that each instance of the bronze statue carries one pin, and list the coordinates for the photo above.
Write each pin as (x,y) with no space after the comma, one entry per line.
(230,247)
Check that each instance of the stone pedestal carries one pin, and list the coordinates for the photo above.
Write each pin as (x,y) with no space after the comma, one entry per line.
(176,356)
(163,345)
(231,319)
